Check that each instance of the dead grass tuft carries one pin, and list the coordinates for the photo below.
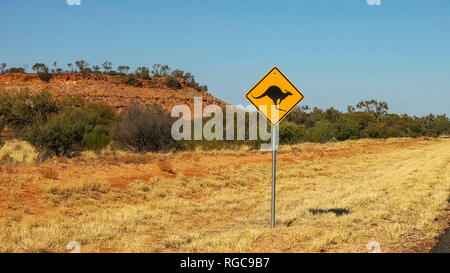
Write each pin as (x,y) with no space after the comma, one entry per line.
(49,173)
(165,164)
(81,189)
(18,151)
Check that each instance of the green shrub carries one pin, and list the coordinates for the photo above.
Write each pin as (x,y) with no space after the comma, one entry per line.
(100,114)
(132,80)
(291,133)
(21,109)
(74,130)
(345,129)
(63,135)
(44,76)
(98,138)
(177,73)
(441,125)
(42,71)
(393,132)
(203,88)
(362,118)
(332,115)
(20,70)
(373,130)
(173,82)
(322,132)
(112,73)
(70,101)
(144,128)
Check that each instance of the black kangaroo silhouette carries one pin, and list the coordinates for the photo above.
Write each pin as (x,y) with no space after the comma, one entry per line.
(276,95)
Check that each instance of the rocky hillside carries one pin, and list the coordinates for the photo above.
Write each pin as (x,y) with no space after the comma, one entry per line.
(112,90)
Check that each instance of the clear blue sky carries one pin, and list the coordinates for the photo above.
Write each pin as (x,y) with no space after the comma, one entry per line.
(336,52)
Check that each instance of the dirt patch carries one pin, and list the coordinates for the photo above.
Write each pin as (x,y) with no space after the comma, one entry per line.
(193,173)
(121,182)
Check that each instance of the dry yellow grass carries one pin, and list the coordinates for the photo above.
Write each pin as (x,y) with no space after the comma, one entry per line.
(49,173)
(165,165)
(394,191)
(18,151)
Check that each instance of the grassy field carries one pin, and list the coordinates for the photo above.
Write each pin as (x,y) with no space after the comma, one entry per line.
(334,197)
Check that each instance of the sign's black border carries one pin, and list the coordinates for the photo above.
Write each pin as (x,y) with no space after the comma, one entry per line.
(290,110)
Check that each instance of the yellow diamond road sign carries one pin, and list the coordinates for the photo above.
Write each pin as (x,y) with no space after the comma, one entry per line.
(274,96)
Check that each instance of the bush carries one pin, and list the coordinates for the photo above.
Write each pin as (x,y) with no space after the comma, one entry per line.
(142,72)
(441,125)
(144,129)
(203,88)
(346,129)
(177,73)
(74,130)
(42,71)
(132,80)
(392,132)
(173,82)
(21,109)
(322,132)
(98,138)
(70,101)
(63,135)
(291,133)
(362,118)
(100,114)
(373,130)
(44,76)
(20,70)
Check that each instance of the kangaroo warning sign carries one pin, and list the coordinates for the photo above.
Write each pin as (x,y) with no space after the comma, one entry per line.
(274,96)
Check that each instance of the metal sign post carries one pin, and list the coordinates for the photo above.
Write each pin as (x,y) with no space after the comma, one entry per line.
(274,171)
(274,96)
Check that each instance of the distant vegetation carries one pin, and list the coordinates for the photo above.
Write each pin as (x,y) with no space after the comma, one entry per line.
(68,126)
(173,77)
(369,119)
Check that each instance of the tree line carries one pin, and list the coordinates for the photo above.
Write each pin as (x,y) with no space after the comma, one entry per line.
(368,119)
(70,125)
(173,76)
